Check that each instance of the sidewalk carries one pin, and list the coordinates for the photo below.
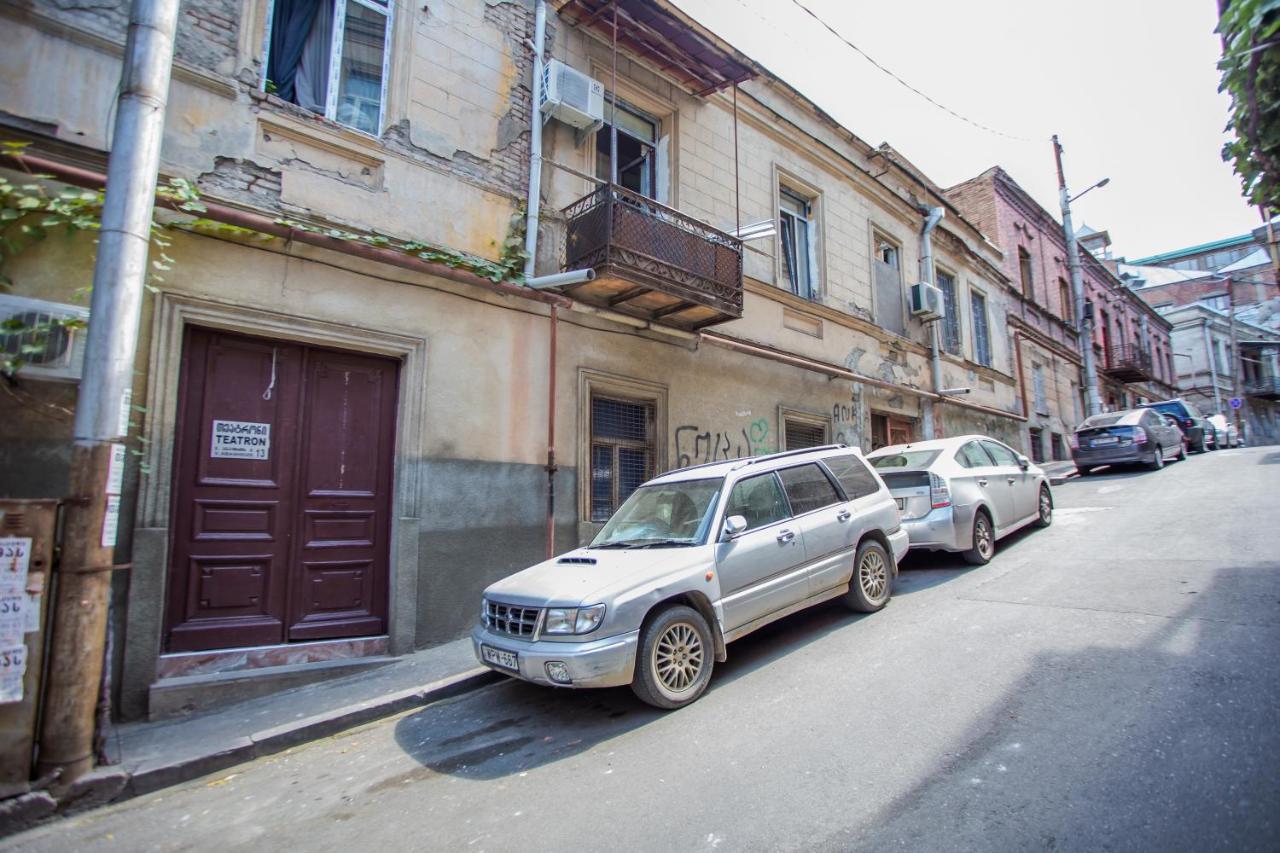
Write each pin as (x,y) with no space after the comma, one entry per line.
(153,755)
(1059,472)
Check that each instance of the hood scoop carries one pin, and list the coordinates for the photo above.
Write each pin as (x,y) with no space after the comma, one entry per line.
(586,561)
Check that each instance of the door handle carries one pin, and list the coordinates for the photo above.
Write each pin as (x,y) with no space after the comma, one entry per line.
(982,481)
(1012,479)
(786,536)
(843,515)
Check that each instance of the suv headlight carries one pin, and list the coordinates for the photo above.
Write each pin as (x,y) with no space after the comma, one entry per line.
(573,620)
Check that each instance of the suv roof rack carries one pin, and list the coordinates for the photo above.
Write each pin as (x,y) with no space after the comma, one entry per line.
(752,460)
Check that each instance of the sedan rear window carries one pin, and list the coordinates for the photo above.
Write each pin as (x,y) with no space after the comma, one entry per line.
(1102,420)
(905,459)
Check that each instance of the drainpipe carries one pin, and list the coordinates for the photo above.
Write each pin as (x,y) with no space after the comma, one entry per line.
(83,592)
(535,141)
(932,217)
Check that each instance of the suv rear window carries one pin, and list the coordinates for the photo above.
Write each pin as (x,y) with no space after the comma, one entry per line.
(855,477)
(808,488)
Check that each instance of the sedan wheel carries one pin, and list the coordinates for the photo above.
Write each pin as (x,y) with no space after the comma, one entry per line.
(1158,462)
(1045,515)
(984,540)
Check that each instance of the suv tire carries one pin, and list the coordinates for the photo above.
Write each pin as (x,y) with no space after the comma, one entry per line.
(675,658)
(872,580)
(984,540)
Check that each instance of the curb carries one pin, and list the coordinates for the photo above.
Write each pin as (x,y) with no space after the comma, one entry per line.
(109,785)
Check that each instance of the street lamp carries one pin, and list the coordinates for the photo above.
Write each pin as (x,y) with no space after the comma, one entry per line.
(1083,322)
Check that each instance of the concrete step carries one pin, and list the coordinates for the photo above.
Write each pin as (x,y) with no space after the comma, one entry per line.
(188,694)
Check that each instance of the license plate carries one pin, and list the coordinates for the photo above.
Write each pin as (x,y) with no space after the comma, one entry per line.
(1102,442)
(497,657)
(902,503)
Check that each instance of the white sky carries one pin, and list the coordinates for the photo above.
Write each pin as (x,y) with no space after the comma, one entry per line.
(1130,87)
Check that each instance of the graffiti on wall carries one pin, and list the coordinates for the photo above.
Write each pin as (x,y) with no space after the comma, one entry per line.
(847,422)
(695,445)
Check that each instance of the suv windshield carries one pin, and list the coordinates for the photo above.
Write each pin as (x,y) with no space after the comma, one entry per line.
(905,459)
(661,515)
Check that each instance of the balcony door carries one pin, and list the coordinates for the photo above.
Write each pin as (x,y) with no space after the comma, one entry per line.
(637,149)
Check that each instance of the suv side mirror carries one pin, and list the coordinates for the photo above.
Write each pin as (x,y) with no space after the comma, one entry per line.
(734,525)
(1023,462)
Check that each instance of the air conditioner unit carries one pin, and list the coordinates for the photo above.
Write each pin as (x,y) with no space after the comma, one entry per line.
(926,302)
(571,96)
(58,330)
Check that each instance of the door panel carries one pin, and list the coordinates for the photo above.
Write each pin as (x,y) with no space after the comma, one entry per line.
(282,481)
(762,569)
(349,412)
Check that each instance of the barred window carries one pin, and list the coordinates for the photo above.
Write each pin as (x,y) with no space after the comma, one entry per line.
(802,434)
(951,320)
(622,451)
(981,332)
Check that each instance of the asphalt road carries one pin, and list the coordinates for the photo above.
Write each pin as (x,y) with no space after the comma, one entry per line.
(1110,682)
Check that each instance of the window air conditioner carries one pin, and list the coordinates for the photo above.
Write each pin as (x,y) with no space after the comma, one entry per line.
(571,96)
(926,302)
(58,330)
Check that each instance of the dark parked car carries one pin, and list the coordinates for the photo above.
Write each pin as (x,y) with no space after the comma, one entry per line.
(1127,437)
(1198,430)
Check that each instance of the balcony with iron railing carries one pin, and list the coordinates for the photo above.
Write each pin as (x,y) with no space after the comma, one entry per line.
(1128,363)
(652,261)
(1265,387)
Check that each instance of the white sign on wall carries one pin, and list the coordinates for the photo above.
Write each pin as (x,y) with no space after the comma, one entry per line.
(240,440)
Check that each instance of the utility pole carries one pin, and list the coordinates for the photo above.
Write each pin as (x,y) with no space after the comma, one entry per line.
(102,409)
(1238,414)
(1083,322)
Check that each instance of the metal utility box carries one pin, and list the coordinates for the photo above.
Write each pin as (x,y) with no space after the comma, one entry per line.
(27,531)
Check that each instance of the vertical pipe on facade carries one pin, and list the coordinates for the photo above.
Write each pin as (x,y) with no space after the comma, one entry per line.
(613,113)
(84,576)
(551,435)
(932,216)
(737,192)
(533,209)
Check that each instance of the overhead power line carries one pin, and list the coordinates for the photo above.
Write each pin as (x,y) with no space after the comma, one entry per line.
(940,106)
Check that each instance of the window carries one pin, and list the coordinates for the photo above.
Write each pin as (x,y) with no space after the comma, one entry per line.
(637,150)
(981,333)
(853,475)
(1037,381)
(622,452)
(799,434)
(1058,447)
(796,237)
(1066,305)
(1001,454)
(1024,271)
(950,322)
(808,488)
(759,500)
(330,57)
(973,456)
(888,286)
(1221,302)
(1036,440)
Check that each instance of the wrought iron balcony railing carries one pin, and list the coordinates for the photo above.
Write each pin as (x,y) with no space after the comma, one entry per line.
(1266,387)
(1128,363)
(652,261)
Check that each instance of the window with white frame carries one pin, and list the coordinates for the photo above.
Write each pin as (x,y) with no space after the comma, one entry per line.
(887,275)
(330,57)
(637,149)
(796,236)
(981,329)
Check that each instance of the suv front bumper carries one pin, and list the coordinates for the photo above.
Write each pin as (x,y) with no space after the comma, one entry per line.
(607,662)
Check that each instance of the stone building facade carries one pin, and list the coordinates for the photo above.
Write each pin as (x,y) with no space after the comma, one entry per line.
(439,388)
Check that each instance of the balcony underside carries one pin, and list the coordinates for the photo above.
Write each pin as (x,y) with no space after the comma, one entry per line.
(1266,389)
(1128,373)
(624,286)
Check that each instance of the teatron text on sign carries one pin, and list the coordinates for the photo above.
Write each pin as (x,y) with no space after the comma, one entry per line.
(240,440)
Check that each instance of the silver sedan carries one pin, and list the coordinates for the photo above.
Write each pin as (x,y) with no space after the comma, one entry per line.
(964,493)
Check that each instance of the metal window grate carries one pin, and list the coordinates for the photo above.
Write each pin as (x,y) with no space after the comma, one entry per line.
(511,620)
(622,452)
(800,435)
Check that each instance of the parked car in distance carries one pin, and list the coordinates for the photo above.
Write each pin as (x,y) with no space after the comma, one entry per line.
(1127,437)
(1194,426)
(691,561)
(963,493)
(1225,432)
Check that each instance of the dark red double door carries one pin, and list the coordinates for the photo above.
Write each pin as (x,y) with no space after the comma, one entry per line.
(282,493)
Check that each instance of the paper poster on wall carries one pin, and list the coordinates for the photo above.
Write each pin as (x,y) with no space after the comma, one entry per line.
(13,617)
(33,612)
(111,521)
(240,440)
(115,470)
(13,665)
(15,555)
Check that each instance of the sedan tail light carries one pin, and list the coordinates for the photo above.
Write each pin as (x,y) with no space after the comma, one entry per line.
(1075,441)
(939,492)
(1139,435)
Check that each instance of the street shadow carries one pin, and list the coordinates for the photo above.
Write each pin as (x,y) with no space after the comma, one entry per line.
(1270,459)
(1169,744)
(515,726)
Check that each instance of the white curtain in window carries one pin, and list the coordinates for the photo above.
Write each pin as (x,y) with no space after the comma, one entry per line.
(312,81)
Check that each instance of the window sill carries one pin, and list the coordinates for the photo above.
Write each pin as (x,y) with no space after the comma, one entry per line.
(305,117)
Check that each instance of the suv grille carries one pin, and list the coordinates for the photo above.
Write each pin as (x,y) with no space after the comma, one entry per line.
(511,620)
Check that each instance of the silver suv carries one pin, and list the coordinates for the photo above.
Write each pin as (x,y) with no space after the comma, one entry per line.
(691,561)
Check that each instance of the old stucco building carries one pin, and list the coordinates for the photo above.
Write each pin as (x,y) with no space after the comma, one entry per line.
(408,412)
